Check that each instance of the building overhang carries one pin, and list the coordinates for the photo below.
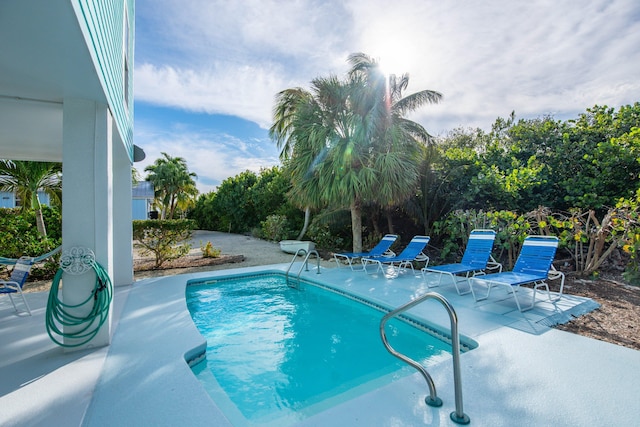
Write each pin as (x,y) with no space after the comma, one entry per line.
(44,60)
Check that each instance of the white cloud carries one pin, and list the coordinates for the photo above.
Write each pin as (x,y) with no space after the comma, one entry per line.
(490,58)
(244,91)
(246,30)
(213,157)
(487,58)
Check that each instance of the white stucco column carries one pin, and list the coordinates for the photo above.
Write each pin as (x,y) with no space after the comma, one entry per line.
(87,200)
(122,215)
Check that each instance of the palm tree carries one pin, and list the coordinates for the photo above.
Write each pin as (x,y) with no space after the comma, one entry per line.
(314,130)
(26,179)
(347,143)
(400,142)
(174,184)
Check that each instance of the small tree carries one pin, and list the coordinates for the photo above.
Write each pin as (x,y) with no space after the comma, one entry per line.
(166,240)
(174,184)
(25,179)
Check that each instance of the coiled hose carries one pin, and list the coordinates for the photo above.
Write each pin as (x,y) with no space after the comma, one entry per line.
(58,315)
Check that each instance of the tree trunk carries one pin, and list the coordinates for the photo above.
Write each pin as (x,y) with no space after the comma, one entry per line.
(389,220)
(172,206)
(42,229)
(356,227)
(375,223)
(35,204)
(307,217)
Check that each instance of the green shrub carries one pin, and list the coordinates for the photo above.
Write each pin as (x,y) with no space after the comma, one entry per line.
(163,238)
(321,234)
(46,270)
(19,237)
(275,228)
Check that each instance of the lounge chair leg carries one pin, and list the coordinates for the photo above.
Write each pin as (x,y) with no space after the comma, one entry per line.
(488,284)
(365,264)
(514,289)
(13,303)
(413,270)
(553,275)
(357,269)
(546,286)
(455,282)
(439,280)
(24,300)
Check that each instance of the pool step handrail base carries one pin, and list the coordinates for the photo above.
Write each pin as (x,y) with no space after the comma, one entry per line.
(458,416)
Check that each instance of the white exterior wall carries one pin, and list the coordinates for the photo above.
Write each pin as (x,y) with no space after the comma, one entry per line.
(87,205)
(67,73)
(122,229)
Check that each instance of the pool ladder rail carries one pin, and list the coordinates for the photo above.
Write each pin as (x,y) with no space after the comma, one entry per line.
(304,266)
(458,416)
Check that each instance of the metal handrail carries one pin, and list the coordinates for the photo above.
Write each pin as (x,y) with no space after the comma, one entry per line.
(305,263)
(458,416)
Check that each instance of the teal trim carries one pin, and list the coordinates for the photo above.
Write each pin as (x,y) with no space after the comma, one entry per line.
(12,261)
(103,23)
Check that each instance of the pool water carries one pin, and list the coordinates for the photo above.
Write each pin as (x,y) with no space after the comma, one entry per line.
(273,350)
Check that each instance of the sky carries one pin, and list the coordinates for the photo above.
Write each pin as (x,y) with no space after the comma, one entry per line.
(207,71)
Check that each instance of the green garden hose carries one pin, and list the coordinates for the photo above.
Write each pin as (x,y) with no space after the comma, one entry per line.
(58,316)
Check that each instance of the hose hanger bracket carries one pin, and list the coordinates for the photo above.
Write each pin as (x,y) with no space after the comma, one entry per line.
(77,260)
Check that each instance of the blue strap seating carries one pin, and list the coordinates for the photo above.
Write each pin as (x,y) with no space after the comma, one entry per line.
(17,280)
(533,266)
(475,260)
(413,252)
(381,249)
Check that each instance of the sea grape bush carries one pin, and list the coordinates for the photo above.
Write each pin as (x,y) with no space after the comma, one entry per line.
(19,237)
(164,239)
(275,228)
(587,240)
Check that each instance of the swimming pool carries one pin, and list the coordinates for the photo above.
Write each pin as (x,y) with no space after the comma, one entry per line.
(276,354)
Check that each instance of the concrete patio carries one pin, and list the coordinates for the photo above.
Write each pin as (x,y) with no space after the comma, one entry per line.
(522,373)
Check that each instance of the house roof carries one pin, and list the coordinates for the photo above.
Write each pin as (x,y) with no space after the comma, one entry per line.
(143,190)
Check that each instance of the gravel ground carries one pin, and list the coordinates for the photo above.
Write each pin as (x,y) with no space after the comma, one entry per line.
(255,252)
(237,251)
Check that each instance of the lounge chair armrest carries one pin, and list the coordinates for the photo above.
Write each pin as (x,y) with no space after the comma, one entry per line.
(492,264)
(10,284)
(423,257)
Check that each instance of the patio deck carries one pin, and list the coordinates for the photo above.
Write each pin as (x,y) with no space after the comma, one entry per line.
(522,373)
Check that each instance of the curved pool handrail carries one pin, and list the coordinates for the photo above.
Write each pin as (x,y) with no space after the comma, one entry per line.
(305,263)
(458,416)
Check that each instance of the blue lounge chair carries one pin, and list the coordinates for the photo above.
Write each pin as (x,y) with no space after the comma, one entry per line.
(533,266)
(381,249)
(17,280)
(475,260)
(413,252)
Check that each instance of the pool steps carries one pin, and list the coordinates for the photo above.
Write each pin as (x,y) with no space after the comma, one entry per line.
(305,265)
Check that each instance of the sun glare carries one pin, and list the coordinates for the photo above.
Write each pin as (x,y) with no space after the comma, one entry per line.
(393,57)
